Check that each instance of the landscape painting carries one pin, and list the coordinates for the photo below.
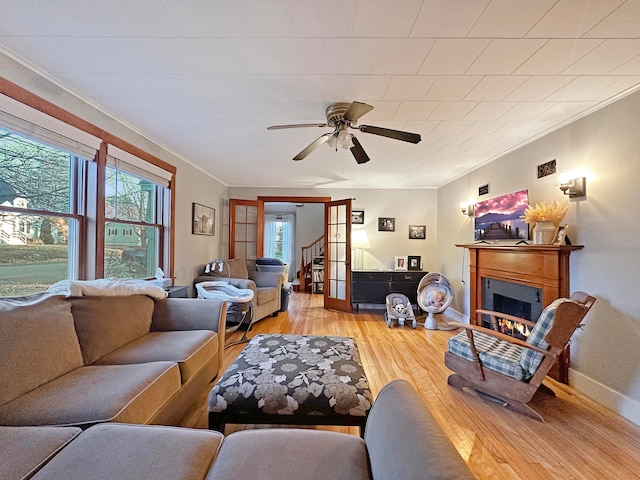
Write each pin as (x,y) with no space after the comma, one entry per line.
(499,218)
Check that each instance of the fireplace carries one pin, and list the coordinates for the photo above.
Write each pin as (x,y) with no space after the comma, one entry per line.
(512,298)
(545,268)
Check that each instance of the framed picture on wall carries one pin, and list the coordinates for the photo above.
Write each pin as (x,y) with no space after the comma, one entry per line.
(357,217)
(202,220)
(414,262)
(417,232)
(386,224)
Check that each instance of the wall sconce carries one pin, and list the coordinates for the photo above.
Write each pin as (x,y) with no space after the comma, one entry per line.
(467,209)
(572,185)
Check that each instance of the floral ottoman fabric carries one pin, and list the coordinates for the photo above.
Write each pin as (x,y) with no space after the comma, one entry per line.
(310,379)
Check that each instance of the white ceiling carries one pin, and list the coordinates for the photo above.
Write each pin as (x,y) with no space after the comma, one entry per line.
(205,78)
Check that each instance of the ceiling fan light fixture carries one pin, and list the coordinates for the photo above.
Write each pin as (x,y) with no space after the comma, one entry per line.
(344,139)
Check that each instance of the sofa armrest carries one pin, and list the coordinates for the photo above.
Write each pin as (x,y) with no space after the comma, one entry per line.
(399,418)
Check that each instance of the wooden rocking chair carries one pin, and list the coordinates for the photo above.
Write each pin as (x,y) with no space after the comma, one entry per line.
(509,369)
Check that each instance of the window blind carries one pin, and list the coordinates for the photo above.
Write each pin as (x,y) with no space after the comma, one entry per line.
(31,123)
(126,162)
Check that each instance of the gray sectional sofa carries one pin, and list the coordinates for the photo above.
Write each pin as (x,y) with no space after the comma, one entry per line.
(86,360)
(402,441)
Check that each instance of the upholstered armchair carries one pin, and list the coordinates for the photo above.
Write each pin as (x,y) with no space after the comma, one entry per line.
(241,273)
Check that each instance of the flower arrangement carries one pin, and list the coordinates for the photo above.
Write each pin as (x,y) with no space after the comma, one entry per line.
(542,212)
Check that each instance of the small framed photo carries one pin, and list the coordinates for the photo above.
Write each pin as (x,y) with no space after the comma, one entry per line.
(400,263)
(414,262)
(417,232)
(203,220)
(357,217)
(386,224)
(560,237)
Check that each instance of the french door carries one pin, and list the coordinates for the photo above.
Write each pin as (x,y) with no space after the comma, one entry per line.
(246,228)
(337,255)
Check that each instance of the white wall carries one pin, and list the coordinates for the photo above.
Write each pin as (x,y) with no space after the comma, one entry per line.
(605,356)
(408,207)
(192,185)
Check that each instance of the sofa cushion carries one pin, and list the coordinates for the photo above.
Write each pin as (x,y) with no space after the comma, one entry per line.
(38,343)
(238,267)
(94,394)
(104,324)
(115,451)
(266,295)
(23,450)
(189,349)
(292,453)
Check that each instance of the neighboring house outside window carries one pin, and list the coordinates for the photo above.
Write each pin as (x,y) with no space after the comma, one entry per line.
(48,198)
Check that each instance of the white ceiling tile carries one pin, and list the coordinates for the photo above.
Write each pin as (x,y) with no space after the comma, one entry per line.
(414,110)
(624,86)
(452,56)
(389,18)
(453,18)
(562,112)
(556,55)
(504,56)
(203,19)
(572,18)
(400,56)
(581,88)
(489,110)
(452,88)
(349,55)
(495,88)
(358,87)
(452,110)
(90,18)
(259,19)
(37,19)
(538,88)
(271,56)
(632,67)
(510,18)
(319,19)
(482,129)
(606,57)
(527,111)
(382,110)
(141,18)
(408,87)
(423,127)
(621,23)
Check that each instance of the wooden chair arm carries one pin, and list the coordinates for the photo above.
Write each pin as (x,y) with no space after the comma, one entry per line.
(506,316)
(500,336)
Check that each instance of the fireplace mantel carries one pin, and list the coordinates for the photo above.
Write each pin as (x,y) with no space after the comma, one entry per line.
(542,266)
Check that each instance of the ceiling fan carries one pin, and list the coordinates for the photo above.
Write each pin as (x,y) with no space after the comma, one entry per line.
(341,117)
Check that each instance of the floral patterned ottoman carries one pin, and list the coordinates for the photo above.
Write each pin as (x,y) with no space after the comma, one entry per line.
(294,380)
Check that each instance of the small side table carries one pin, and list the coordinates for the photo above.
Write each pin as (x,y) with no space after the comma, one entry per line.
(177,291)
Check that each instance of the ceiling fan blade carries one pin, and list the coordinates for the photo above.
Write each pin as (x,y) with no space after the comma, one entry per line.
(387,132)
(358,152)
(297,125)
(315,144)
(356,110)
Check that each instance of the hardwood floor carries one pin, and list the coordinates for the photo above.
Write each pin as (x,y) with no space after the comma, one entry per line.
(579,440)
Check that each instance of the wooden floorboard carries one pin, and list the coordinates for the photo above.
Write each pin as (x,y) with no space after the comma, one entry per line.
(580,439)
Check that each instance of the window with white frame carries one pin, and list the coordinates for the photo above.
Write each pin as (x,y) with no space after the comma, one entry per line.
(48,199)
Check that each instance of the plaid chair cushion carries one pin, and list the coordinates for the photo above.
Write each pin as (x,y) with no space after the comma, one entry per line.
(494,354)
(531,360)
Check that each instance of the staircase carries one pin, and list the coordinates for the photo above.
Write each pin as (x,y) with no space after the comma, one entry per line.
(305,274)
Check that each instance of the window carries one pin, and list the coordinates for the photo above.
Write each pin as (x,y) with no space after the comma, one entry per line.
(279,238)
(39,222)
(136,201)
(49,201)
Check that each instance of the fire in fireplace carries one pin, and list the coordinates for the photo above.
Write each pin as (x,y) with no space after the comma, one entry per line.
(512,299)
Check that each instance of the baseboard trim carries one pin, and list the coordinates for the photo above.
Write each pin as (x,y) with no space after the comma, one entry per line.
(624,406)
